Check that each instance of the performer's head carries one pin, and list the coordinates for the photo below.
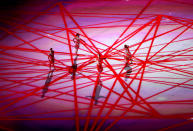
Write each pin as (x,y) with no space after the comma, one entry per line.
(77,34)
(126,46)
(51,50)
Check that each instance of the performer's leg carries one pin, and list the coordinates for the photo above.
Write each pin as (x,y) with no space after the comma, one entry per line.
(73,74)
(50,66)
(127,75)
(76,51)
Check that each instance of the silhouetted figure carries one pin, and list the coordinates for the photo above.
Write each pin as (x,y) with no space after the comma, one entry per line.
(128,62)
(72,69)
(128,56)
(99,65)
(97,90)
(77,41)
(47,83)
(51,58)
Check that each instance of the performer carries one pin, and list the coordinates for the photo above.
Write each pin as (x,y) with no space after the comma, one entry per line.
(51,58)
(99,65)
(128,62)
(72,69)
(128,56)
(77,41)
